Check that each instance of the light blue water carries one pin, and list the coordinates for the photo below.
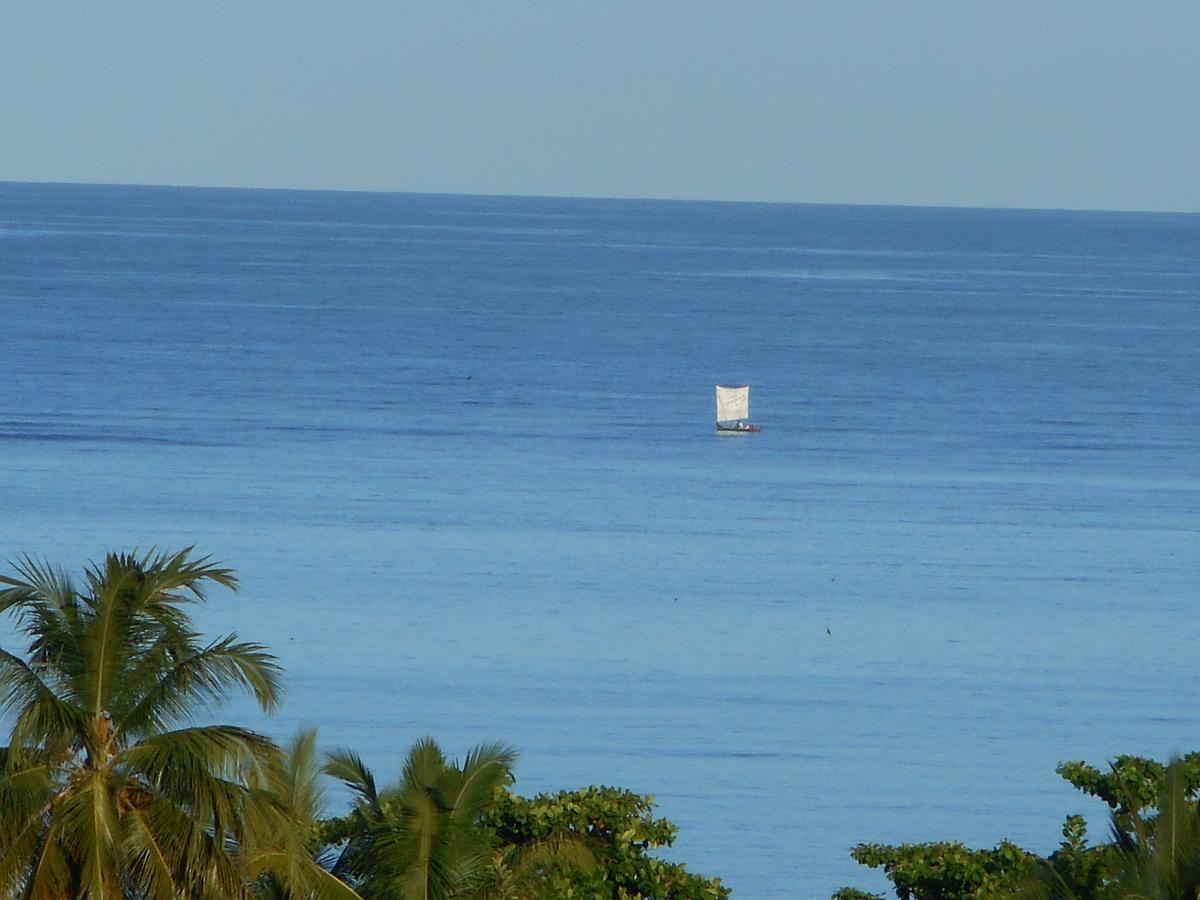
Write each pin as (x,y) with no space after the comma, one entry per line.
(460,451)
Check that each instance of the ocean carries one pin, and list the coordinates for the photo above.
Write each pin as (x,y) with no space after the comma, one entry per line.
(460,451)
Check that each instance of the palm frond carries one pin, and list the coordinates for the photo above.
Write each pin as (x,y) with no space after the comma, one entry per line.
(558,850)
(50,873)
(40,582)
(150,867)
(205,676)
(421,838)
(486,768)
(297,780)
(424,764)
(168,574)
(410,856)
(42,716)
(46,607)
(520,871)
(281,857)
(106,645)
(213,750)
(200,858)
(320,884)
(90,834)
(347,767)
(25,796)
(1160,858)
(299,878)
(1175,825)
(484,755)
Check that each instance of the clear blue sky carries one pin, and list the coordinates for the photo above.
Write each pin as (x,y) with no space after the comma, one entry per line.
(1056,103)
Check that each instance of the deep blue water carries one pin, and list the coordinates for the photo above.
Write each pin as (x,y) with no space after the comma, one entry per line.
(460,451)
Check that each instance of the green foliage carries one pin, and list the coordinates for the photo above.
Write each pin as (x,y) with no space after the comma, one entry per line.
(293,864)
(421,837)
(106,788)
(1132,784)
(1076,870)
(1164,862)
(590,844)
(620,830)
(1154,853)
(947,870)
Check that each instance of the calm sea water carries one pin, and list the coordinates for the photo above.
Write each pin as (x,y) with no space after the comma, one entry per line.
(460,451)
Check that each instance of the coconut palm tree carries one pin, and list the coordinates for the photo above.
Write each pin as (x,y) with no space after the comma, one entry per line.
(293,864)
(421,838)
(107,788)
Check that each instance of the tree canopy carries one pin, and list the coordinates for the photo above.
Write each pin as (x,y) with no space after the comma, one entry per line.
(107,790)
(111,790)
(1153,852)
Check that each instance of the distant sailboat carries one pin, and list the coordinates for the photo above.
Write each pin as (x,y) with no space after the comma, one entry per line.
(733,409)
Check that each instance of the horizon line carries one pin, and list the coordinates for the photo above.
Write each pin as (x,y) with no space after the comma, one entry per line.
(602,197)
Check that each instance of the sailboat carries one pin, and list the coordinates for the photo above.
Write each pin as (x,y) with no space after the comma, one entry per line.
(733,409)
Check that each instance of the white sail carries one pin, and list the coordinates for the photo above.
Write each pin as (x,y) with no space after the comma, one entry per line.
(733,403)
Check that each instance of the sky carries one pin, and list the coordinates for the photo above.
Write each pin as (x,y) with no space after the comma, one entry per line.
(1077,104)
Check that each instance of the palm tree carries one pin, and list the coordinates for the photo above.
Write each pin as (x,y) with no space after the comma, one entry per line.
(1160,860)
(107,789)
(421,838)
(1152,857)
(293,864)
(524,872)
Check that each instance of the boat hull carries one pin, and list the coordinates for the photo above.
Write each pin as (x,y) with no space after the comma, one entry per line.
(745,429)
